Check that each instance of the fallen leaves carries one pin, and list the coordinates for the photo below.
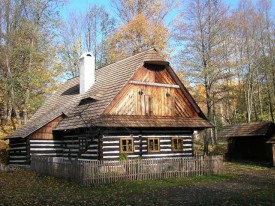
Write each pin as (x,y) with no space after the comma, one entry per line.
(24,187)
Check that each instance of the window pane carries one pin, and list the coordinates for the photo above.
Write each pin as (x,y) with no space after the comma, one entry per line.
(177,144)
(156,141)
(180,143)
(127,145)
(151,145)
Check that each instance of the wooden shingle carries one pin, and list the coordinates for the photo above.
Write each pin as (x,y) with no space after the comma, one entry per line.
(246,130)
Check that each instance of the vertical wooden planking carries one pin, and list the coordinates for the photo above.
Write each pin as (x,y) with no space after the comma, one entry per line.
(138,101)
(147,104)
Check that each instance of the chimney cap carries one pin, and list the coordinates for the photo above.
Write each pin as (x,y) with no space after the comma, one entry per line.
(89,54)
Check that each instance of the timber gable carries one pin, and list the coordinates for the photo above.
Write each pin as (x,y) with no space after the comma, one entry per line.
(152,92)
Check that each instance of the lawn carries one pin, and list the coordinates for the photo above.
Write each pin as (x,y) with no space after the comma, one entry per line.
(240,184)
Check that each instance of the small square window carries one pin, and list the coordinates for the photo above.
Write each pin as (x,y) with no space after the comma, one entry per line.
(82,143)
(127,145)
(153,145)
(177,144)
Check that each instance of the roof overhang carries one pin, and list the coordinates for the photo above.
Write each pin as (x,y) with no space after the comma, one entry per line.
(147,121)
(164,63)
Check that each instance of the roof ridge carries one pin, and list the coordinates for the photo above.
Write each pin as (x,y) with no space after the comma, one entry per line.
(243,123)
(128,57)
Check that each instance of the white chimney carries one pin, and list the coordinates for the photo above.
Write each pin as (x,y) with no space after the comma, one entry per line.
(87,71)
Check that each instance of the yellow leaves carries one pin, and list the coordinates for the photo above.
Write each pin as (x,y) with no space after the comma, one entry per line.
(144,28)
(5,130)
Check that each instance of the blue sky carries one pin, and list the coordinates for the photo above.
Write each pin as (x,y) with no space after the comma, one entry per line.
(81,5)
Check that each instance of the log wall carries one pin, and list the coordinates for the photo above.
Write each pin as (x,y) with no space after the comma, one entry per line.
(18,151)
(111,146)
(72,149)
(52,148)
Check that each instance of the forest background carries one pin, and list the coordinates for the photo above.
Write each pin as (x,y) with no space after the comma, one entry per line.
(223,51)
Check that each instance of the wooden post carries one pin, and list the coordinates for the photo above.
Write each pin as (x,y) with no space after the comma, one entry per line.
(273,149)
(100,147)
(28,151)
(140,145)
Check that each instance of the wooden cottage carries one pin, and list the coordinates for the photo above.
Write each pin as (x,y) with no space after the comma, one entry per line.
(136,107)
(253,141)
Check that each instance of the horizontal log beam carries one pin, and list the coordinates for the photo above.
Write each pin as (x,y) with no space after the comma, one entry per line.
(155,84)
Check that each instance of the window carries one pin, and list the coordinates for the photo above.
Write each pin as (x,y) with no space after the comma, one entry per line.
(153,144)
(126,145)
(177,144)
(82,143)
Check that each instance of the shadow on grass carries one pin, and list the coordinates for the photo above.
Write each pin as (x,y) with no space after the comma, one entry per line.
(251,163)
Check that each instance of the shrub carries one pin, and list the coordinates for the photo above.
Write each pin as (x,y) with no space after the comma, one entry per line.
(219,149)
(123,157)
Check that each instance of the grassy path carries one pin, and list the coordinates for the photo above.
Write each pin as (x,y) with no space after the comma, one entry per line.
(240,184)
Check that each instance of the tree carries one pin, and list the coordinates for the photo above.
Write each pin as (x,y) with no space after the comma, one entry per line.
(97,26)
(202,32)
(86,31)
(27,54)
(253,54)
(142,27)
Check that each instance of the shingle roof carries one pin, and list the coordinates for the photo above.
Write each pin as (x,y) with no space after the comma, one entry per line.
(60,102)
(246,130)
(109,81)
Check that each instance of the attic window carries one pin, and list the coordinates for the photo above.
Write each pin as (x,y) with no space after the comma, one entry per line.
(86,101)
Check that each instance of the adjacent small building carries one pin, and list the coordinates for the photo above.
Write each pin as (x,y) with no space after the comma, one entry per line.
(136,107)
(250,141)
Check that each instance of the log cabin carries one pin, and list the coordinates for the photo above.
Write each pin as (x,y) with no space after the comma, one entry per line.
(253,141)
(134,108)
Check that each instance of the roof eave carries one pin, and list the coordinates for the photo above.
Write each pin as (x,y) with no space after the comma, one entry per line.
(28,134)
